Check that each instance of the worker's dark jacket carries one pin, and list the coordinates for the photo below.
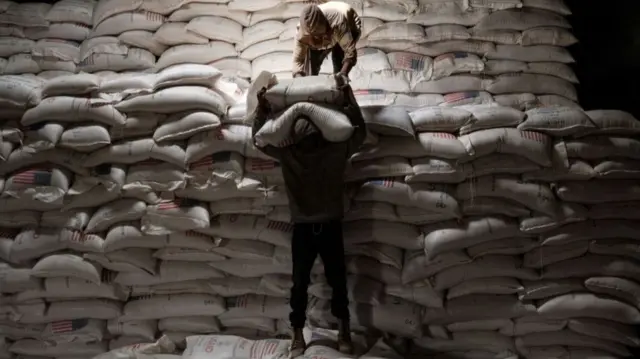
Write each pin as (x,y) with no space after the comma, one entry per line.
(314,175)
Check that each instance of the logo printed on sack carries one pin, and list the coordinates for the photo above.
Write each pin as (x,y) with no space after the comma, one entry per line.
(460,96)
(68,326)
(176,203)
(444,135)
(280,226)
(269,347)
(534,136)
(37,177)
(210,345)
(210,160)
(258,164)
(217,134)
(383,182)
(411,62)
(77,236)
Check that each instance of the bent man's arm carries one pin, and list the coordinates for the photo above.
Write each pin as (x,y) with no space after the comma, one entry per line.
(349,41)
(299,58)
(259,119)
(357,121)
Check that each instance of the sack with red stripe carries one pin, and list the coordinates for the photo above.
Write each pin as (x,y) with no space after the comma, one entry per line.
(47,185)
(263,172)
(82,330)
(78,240)
(177,215)
(227,346)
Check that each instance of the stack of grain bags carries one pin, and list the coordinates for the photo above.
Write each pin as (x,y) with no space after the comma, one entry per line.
(462,229)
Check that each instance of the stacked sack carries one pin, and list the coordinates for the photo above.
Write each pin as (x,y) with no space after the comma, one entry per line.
(57,300)
(43,39)
(489,216)
(513,266)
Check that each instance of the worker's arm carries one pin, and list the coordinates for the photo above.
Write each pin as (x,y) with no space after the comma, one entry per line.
(349,41)
(352,110)
(299,58)
(260,117)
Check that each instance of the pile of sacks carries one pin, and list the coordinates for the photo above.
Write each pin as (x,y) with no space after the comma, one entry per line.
(484,222)
(511,52)
(43,39)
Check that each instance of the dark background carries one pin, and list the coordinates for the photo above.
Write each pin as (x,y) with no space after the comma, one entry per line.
(608,55)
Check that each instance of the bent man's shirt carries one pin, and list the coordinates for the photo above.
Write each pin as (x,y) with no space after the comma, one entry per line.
(344,22)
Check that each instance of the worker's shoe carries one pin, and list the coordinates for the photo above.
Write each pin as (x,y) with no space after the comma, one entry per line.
(345,345)
(298,345)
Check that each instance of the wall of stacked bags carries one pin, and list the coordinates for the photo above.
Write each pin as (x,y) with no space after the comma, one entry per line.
(489,216)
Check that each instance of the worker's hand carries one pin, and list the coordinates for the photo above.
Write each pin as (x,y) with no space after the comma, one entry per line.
(341,78)
(263,105)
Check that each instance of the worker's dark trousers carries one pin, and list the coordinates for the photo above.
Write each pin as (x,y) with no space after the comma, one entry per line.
(310,240)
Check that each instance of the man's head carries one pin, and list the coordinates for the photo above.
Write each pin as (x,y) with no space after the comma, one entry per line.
(314,25)
(306,135)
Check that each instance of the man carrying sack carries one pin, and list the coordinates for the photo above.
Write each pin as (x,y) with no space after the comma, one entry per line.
(333,27)
(313,170)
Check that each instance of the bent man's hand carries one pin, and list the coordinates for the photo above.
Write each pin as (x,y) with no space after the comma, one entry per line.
(341,78)
(263,105)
